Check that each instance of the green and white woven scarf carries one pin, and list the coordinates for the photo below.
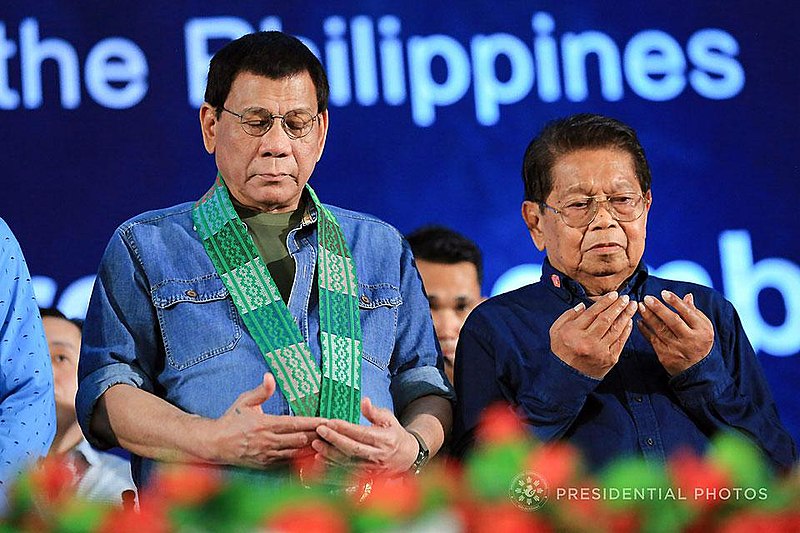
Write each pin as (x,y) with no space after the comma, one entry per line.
(335,392)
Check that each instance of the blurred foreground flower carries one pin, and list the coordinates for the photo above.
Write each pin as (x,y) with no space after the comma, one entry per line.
(508,483)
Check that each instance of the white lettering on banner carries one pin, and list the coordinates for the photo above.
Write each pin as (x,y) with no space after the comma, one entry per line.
(653,63)
(392,71)
(743,281)
(489,91)
(426,92)
(654,66)
(364,60)
(198,32)
(338,64)
(9,98)
(441,70)
(546,52)
(33,52)
(719,75)
(116,60)
(115,70)
(575,49)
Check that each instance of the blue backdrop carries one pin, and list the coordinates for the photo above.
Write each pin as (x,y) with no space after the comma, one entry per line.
(432,105)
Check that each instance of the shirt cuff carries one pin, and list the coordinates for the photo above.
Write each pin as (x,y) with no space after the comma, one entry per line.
(702,382)
(417,382)
(562,387)
(95,385)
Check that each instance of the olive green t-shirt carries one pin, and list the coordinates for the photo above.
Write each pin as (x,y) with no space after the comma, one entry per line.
(269,232)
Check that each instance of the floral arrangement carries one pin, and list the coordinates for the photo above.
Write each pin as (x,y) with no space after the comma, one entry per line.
(509,483)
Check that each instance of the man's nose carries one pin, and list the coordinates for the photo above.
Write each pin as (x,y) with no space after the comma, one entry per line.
(449,324)
(276,142)
(604,214)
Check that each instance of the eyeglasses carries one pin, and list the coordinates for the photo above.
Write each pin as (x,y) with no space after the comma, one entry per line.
(580,212)
(257,122)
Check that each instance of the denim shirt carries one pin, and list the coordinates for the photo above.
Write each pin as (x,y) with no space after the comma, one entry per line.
(161,319)
(504,354)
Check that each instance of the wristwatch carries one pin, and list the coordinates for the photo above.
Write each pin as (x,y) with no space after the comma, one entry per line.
(423,456)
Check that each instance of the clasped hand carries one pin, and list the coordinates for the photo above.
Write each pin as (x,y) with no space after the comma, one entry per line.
(680,338)
(246,436)
(591,339)
(384,447)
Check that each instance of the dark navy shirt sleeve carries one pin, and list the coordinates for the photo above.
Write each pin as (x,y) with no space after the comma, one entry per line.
(27,405)
(727,389)
(547,393)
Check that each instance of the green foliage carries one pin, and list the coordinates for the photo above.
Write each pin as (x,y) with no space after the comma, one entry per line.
(631,494)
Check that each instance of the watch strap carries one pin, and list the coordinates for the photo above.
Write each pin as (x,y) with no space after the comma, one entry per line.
(423,455)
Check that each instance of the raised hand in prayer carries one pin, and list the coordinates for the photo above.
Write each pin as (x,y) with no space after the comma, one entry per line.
(680,338)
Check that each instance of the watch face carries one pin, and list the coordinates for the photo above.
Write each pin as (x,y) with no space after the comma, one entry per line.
(422,457)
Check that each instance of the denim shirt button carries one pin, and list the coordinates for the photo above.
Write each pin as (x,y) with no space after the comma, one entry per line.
(365,299)
(191,293)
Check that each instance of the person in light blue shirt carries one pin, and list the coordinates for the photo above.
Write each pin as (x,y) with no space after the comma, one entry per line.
(27,405)
(209,320)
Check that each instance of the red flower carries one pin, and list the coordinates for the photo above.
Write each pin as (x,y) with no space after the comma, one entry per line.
(308,469)
(393,497)
(699,481)
(624,522)
(504,518)
(310,517)
(499,424)
(181,484)
(762,522)
(443,477)
(149,518)
(54,480)
(556,462)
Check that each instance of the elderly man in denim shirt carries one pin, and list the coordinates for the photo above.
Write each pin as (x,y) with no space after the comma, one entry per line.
(257,324)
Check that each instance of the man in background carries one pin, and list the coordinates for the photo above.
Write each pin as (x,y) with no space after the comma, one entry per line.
(452,272)
(27,414)
(99,476)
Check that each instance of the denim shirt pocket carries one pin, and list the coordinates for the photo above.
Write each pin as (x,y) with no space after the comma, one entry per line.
(378,306)
(197,319)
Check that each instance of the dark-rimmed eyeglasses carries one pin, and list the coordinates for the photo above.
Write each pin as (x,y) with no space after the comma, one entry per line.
(257,122)
(580,212)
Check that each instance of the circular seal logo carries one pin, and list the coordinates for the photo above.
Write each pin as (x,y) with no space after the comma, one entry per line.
(528,491)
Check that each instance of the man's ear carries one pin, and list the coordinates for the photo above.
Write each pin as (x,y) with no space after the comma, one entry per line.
(532,215)
(208,125)
(323,126)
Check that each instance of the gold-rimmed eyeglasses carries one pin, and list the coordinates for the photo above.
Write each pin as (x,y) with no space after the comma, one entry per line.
(581,211)
(257,122)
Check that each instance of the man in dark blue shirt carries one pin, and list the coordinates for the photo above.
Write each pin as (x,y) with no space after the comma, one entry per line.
(565,352)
